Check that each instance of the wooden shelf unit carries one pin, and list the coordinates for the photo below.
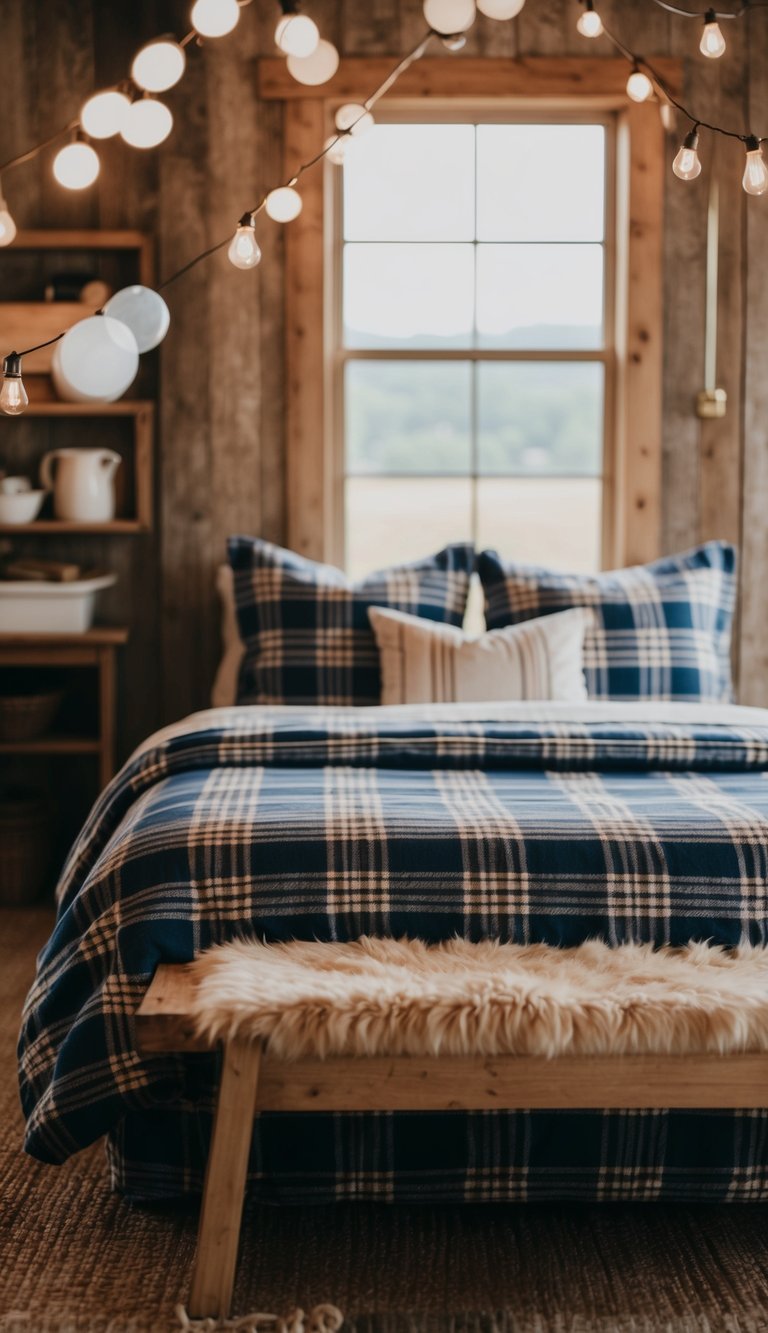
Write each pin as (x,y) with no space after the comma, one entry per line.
(96,648)
(44,404)
(142,412)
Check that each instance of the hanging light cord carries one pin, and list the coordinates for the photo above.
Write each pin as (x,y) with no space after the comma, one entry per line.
(391,79)
(642,63)
(637,61)
(75,124)
(718,13)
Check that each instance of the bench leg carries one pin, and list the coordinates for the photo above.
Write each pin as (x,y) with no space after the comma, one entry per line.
(213,1276)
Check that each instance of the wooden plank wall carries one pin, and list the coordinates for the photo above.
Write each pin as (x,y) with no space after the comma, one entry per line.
(222,415)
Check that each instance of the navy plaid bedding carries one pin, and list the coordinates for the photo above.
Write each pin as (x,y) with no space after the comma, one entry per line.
(661,631)
(321,824)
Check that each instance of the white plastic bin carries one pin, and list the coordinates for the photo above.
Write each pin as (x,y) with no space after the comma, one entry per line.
(50,608)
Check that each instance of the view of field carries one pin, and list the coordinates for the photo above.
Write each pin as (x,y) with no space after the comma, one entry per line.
(543,521)
(456,241)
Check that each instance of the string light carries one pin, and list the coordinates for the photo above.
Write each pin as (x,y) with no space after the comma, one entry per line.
(103,115)
(335,149)
(296,34)
(639,86)
(147,123)
(76,166)
(755,180)
(354,119)
(712,42)
(500,9)
(159,65)
(13,395)
(244,250)
(7,224)
(317,68)
(687,164)
(590,23)
(450,16)
(283,204)
(215,18)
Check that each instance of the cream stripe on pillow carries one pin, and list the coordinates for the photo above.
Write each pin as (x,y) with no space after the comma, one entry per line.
(423,662)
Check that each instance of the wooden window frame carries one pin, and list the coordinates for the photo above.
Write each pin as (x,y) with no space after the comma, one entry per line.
(632,476)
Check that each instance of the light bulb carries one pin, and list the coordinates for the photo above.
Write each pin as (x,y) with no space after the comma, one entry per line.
(283,204)
(76,166)
(215,18)
(354,118)
(159,65)
(450,16)
(244,251)
(712,42)
(639,86)
(500,9)
(104,114)
(667,115)
(147,123)
(755,179)
(297,35)
(13,395)
(7,224)
(317,68)
(335,149)
(687,164)
(589,23)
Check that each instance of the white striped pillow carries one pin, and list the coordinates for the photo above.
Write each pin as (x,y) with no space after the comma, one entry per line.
(423,662)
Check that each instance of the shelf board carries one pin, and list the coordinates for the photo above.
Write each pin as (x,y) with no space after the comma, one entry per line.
(45,526)
(54,407)
(53,745)
(99,636)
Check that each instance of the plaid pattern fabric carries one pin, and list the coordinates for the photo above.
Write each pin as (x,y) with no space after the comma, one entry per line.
(319,825)
(662,631)
(305,626)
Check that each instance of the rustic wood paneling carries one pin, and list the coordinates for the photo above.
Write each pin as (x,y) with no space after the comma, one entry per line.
(754,566)
(221,448)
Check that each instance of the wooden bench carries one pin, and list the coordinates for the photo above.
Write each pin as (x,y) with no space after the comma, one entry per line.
(252,1081)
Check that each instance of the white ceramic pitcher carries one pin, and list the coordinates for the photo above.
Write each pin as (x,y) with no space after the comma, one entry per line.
(82,481)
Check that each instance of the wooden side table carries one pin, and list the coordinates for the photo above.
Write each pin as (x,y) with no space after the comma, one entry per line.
(95,649)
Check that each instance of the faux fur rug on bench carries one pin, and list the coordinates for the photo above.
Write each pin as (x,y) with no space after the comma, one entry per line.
(403,997)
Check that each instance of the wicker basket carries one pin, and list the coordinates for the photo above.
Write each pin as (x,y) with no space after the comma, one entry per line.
(25,847)
(24,717)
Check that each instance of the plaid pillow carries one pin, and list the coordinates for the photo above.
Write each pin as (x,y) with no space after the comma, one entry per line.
(305,626)
(662,631)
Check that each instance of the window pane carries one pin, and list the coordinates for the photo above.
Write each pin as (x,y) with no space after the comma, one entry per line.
(542,521)
(408,416)
(540,182)
(540,296)
(540,417)
(408,295)
(390,519)
(411,183)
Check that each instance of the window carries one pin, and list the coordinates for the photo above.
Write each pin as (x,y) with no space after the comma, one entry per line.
(473,333)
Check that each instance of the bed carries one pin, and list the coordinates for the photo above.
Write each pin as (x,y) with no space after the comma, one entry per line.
(548,823)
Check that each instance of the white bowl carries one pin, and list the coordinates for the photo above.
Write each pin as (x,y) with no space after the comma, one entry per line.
(21,507)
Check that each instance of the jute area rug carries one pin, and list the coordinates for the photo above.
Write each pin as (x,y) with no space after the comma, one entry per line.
(75,1259)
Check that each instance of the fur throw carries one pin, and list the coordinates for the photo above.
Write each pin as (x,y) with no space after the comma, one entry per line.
(403,997)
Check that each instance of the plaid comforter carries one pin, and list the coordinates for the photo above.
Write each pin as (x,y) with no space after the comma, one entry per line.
(528,822)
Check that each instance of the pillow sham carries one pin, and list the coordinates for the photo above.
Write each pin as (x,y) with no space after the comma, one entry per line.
(224,689)
(305,629)
(662,631)
(423,663)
